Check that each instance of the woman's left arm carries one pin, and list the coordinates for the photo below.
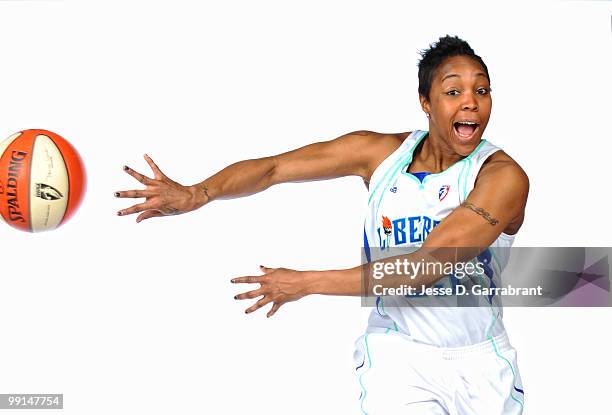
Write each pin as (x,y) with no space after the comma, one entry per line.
(496,203)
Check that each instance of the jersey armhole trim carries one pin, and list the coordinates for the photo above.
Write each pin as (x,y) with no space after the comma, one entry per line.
(401,148)
(507,236)
(394,158)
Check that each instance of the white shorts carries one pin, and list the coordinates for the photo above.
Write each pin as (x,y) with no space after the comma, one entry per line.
(399,376)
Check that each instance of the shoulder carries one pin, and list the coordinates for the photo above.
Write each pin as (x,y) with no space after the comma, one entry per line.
(501,169)
(379,140)
(376,147)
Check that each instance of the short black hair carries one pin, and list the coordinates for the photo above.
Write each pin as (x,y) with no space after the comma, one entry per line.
(433,57)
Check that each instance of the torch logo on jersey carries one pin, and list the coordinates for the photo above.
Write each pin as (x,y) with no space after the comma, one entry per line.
(387,227)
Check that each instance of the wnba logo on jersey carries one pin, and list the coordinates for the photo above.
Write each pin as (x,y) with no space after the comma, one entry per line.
(443,192)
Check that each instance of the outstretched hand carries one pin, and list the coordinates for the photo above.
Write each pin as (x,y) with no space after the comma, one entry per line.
(163,196)
(277,286)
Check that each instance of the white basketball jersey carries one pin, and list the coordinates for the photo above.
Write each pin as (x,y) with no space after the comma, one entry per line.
(401,212)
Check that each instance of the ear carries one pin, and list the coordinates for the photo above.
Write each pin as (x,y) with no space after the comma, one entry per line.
(425,104)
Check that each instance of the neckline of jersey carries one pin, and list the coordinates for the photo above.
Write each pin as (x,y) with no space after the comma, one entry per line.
(419,140)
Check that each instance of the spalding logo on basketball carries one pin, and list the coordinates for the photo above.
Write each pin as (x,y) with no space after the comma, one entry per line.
(42,180)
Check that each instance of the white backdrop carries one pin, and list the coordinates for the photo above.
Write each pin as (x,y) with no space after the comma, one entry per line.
(124,318)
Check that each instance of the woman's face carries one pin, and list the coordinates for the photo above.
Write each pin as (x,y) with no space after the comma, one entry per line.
(459,103)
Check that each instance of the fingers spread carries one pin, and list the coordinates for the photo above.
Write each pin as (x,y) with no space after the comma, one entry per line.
(273,310)
(250,294)
(156,171)
(148,214)
(265,270)
(258,305)
(133,193)
(135,209)
(248,280)
(141,178)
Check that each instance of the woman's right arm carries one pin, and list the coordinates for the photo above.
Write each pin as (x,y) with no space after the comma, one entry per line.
(354,154)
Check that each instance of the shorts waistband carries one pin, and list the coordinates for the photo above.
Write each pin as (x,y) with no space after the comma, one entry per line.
(495,344)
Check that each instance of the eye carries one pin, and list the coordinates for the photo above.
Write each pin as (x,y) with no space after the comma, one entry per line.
(452,92)
(483,91)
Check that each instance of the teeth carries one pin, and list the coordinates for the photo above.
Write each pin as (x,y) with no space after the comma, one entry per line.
(467,122)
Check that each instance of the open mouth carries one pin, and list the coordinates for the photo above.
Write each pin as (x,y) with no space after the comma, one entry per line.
(465,130)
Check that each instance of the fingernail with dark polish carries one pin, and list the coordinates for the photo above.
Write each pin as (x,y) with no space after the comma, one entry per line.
(246,312)
(235,297)
(118,213)
(116,194)
(126,168)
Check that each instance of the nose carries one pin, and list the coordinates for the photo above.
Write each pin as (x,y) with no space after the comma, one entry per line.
(469,102)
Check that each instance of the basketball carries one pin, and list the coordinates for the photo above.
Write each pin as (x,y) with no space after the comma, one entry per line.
(42,180)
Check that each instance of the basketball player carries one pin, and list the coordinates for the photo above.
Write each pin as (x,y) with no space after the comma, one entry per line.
(446,187)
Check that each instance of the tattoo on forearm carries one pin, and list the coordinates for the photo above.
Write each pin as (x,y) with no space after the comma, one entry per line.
(480,211)
(205,188)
